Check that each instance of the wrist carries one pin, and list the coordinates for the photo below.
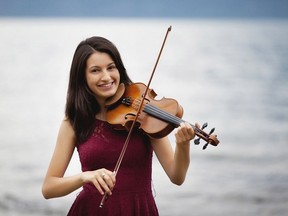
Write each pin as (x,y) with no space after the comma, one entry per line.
(82,177)
(183,144)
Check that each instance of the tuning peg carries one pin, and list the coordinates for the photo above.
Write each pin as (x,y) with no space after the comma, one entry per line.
(204,125)
(211,131)
(197,141)
(205,146)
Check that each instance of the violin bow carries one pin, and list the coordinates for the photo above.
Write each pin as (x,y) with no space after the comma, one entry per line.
(119,161)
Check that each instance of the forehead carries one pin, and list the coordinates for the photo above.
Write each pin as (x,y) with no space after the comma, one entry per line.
(99,59)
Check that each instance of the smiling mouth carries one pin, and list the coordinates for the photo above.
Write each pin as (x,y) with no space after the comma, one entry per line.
(106,85)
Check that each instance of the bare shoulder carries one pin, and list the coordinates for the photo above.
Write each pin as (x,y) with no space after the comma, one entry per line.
(66,133)
(66,126)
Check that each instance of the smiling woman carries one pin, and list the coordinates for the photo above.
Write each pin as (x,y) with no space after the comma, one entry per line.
(95,76)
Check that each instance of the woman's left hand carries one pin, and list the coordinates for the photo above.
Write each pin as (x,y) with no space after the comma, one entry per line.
(184,133)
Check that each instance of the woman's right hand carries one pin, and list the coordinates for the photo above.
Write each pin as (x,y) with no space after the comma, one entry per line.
(104,180)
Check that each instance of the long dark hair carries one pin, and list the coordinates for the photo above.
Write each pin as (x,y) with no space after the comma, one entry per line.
(81,105)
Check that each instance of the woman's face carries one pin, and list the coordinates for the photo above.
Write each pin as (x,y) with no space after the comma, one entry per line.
(102,76)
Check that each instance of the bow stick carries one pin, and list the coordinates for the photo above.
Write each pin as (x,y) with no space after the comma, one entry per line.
(119,161)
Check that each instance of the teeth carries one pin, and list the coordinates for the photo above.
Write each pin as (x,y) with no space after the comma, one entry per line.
(106,85)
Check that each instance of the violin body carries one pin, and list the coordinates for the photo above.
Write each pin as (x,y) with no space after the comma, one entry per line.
(122,113)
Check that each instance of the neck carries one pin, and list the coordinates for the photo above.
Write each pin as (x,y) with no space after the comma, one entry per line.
(101,115)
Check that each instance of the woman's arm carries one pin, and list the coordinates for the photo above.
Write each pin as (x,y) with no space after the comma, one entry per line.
(56,185)
(175,163)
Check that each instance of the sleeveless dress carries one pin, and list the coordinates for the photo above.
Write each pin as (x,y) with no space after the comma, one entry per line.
(132,194)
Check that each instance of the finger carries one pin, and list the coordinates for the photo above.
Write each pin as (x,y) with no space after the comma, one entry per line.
(185,132)
(112,176)
(180,129)
(109,180)
(190,131)
(102,181)
(180,133)
(98,187)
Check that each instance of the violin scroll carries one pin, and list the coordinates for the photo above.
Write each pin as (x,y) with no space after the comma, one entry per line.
(209,138)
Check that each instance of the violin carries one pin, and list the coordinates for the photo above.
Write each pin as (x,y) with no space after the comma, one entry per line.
(157,118)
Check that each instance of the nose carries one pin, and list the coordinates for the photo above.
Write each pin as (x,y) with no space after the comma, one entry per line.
(105,75)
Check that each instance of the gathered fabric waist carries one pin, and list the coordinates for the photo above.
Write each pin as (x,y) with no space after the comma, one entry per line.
(89,187)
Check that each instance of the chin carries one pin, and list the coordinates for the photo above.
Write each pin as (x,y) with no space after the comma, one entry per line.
(110,94)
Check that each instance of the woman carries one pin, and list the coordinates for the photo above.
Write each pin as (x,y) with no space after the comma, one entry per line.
(96,72)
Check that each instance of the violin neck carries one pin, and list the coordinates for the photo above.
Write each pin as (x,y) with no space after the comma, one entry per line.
(164,116)
(174,120)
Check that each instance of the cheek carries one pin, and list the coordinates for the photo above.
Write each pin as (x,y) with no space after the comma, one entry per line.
(118,77)
(90,84)
(88,81)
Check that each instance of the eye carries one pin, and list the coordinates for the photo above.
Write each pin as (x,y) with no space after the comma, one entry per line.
(94,70)
(111,67)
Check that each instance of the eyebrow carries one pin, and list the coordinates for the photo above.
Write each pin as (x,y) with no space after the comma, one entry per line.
(95,66)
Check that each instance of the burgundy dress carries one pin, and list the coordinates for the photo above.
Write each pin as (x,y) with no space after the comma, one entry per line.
(132,194)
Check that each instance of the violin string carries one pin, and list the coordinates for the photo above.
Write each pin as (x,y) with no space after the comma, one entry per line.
(167,116)
(155,111)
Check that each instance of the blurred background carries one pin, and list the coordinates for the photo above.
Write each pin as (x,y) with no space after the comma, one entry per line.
(225,62)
